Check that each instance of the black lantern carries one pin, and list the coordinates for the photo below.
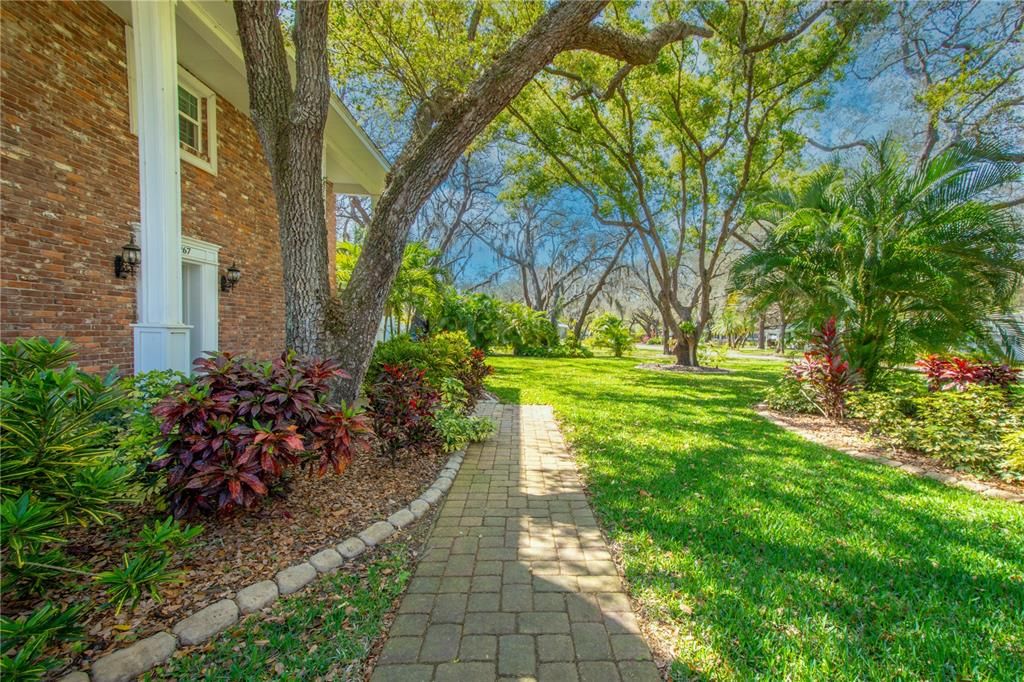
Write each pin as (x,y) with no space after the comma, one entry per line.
(230,279)
(130,260)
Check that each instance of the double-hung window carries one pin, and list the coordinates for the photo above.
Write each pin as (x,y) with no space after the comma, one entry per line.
(197,114)
(190,120)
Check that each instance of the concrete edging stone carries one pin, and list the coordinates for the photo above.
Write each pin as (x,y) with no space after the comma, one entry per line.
(204,624)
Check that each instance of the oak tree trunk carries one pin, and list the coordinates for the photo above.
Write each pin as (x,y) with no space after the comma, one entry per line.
(290,124)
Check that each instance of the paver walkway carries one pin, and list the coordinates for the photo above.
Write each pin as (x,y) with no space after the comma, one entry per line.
(516,581)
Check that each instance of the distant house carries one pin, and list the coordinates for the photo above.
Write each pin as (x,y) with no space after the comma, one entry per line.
(128,121)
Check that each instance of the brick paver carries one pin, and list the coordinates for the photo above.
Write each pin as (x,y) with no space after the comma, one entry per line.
(516,580)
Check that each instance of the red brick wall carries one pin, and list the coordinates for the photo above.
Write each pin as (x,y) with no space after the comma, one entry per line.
(236,209)
(69,168)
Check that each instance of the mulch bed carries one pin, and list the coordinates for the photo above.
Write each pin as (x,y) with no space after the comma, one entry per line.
(854,437)
(682,369)
(311,514)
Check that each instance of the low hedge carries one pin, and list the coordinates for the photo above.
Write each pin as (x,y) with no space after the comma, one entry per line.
(978,429)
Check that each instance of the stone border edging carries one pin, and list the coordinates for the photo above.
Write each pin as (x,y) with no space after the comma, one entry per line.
(910,468)
(146,654)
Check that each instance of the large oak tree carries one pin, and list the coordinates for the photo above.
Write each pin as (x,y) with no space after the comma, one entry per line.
(290,117)
(673,153)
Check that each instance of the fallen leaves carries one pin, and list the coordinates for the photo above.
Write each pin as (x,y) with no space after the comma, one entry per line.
(306,515)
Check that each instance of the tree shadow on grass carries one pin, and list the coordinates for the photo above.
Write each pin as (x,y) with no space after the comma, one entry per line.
(799,562)
(786,541)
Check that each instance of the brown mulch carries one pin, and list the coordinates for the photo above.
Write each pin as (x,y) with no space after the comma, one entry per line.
(853,436)
(310,514)
(682,369)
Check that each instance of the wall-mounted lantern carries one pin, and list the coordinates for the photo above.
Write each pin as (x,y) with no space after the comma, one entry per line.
(230,278)
(130,260)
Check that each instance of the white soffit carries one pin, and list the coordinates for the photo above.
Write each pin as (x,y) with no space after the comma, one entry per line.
(208,47)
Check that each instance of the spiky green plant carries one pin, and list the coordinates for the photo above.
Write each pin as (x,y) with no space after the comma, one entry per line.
(904,259)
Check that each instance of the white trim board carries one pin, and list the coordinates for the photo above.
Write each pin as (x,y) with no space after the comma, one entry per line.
(196,87)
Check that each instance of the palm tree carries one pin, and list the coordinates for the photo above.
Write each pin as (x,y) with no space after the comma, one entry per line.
(905,259)
(418,286)
(734,321)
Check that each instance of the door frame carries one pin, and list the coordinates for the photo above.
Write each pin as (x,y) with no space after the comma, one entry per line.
(206,256)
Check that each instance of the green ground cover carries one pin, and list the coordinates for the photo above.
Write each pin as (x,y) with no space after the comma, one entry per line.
(775,557)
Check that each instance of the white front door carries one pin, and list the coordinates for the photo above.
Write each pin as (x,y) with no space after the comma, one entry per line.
(200,294)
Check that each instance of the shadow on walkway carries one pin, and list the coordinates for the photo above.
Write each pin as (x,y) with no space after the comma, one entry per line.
(516,580)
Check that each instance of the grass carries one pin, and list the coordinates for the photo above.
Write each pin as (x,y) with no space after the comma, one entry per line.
(754,351)
(323,633)
(776,558)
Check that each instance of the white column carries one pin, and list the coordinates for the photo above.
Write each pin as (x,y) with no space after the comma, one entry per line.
(161,339)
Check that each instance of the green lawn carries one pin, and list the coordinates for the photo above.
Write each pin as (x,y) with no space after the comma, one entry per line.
(779,559)
(322,633)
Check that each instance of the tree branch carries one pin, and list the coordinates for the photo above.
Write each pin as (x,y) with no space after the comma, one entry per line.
(632,49)
(788,35)
(836,148)
(1009,203)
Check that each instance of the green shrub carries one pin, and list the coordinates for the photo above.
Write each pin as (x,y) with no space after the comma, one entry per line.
(472,375)
(140,574)
(60,465)
(480,316)
(441,355)
(453,422)
(56,439)
(526,328)
(398,350)
(139,441)
(612,333)
(787,395)
(458,429)
(571,351)
(559,351)
(28,357)
(29,636)
(145,570)
(449,353)
(1013,442)
(166,536)
(488,322)
(711,354)
(977,429)
(30,533)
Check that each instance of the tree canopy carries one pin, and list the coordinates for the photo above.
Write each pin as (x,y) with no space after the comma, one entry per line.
(653,129)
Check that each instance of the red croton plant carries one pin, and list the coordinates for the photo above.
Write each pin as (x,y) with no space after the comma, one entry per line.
(955,373)
(237,425)
(402,405)
(826,372)
(472,374)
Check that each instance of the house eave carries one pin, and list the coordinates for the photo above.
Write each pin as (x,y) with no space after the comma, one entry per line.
(208,47)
